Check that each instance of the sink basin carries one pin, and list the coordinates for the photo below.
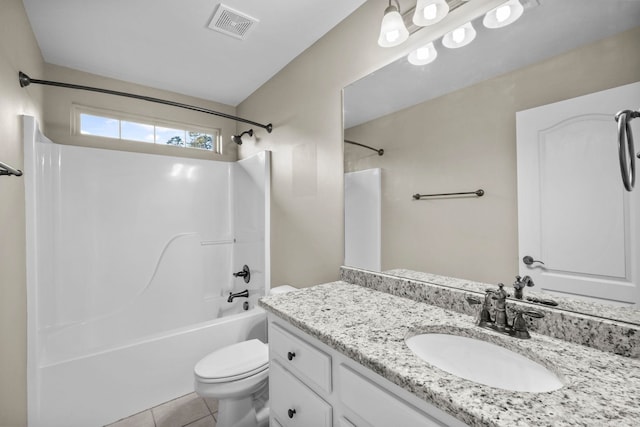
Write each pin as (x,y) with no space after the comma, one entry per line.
(483,362)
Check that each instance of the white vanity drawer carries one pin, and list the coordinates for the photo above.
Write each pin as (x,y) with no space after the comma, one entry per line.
(293,403)
(306,361)
(376,406)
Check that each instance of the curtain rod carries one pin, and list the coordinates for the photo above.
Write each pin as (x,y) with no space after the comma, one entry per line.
(26,81)
(478,193)
(5,169)
(379,151)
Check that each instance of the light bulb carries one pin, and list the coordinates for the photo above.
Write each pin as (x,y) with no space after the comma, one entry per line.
(459,37)
(392,29)
(503,15)
(429,12)
(423,55)
(392,36)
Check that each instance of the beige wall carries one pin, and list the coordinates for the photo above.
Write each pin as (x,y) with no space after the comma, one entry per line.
(464,141)
(58,103)
(304,103)
(18,51)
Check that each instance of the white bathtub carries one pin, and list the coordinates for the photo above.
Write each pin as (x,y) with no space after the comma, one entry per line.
(127,379)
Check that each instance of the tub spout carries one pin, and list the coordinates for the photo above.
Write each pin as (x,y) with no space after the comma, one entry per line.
(244,294)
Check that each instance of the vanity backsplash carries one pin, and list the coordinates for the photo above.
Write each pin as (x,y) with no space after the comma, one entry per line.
(612,336)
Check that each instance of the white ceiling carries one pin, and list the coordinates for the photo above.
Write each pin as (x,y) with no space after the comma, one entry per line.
(543,31)
(166,43)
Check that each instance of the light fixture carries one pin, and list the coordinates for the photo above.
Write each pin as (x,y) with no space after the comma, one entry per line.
(392,29)
(503,15)
(459,37)
(429,12)
(423,55)
(238,138)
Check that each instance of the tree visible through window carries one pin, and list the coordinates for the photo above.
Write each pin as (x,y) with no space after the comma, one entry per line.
(111,127)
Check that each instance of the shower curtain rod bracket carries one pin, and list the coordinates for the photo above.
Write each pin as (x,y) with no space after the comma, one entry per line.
(25,81)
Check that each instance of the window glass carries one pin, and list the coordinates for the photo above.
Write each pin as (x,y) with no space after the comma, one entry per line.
(137,131)
(170,136)
(99,126)
(135,128)
(200,140)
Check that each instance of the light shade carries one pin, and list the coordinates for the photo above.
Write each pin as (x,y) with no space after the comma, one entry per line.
(503,15)
(392,30)
(459,37)
(423,55)
(429,12)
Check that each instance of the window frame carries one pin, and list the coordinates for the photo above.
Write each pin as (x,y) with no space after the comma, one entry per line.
(76,130)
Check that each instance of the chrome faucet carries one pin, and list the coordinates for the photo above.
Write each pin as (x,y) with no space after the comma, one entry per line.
(243,294)
(495,301)
(519,285)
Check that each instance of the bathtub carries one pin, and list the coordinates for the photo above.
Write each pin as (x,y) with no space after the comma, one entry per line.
(127,379)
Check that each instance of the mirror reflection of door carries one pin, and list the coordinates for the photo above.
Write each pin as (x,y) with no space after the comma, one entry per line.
(574,215)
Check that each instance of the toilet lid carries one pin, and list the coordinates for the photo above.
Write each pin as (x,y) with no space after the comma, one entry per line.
(234,362)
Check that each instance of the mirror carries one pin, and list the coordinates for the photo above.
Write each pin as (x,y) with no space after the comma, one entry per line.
(450,126)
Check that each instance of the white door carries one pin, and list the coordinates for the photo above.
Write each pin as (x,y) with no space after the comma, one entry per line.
(573,212)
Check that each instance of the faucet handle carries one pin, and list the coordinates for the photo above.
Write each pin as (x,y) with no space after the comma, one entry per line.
(473,300)
(519,328)
(520,283)
(533,313)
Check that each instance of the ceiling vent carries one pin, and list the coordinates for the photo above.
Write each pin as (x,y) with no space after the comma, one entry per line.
(232,22)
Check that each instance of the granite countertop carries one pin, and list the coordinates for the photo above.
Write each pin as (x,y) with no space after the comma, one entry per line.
(370,327)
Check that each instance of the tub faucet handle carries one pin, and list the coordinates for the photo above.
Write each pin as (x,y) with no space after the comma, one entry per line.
(245,273)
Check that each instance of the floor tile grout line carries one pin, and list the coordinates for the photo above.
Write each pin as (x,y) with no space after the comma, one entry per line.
(199,419)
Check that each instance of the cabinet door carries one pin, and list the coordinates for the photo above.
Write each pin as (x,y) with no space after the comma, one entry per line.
(293,403)
(376,406)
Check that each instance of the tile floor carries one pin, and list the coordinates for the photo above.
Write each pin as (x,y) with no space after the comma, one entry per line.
(186,411)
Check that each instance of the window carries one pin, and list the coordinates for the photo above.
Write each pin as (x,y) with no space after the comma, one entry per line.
(109,124)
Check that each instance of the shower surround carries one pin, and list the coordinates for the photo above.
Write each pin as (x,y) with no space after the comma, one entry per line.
(129,264)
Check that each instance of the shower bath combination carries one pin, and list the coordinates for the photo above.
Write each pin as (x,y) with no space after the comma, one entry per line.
(94,311)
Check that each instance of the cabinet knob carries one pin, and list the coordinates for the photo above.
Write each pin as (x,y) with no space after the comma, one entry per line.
(291,413)
(290,356)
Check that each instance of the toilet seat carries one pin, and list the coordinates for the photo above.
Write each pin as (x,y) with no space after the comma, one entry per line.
(233,363)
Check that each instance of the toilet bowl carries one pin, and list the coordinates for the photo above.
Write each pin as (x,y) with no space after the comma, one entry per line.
(237,375)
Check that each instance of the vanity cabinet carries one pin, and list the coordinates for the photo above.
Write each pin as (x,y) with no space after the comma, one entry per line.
(313,385)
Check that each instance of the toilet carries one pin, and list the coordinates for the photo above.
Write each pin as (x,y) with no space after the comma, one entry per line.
(237,375)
